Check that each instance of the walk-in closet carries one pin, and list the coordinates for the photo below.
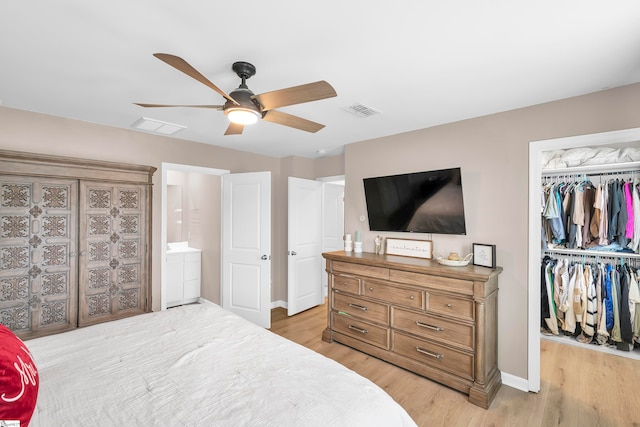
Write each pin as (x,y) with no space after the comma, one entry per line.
(590,247)
(583,254)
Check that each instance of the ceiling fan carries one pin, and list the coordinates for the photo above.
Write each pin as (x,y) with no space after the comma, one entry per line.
(243,107)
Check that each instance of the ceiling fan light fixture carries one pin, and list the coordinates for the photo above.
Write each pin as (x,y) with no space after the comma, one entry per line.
(242,116)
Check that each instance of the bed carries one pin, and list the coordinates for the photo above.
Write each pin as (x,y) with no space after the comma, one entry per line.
(197,365)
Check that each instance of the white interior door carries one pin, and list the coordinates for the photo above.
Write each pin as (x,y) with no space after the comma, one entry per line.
(304,245)
(246,246)
(332,224)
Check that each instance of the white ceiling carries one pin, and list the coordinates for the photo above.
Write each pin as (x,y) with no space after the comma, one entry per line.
(420,62)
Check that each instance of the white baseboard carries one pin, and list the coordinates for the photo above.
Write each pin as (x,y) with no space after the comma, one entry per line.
(276,304)
(515,382)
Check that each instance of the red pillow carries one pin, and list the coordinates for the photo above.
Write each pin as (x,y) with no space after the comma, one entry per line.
(18,379)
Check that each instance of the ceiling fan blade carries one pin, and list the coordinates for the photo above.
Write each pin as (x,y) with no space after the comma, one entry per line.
(182,65)
(296,122)
(295,95)
(234,129)
(215,107)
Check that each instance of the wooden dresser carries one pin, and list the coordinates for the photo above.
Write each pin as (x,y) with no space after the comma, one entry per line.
(437,321)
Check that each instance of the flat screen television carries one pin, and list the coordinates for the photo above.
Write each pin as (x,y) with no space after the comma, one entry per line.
(418,202)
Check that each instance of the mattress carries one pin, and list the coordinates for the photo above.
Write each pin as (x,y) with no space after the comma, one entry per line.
(198,365)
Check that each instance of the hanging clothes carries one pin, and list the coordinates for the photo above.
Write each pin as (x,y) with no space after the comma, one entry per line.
(579,215)
(593,302)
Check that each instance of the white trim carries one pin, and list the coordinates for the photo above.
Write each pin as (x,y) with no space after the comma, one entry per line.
(535,174)
(279,303)
(515,382)
(331,178)
(164,169)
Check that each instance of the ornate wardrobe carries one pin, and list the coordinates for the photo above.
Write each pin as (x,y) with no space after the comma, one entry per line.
(75,240)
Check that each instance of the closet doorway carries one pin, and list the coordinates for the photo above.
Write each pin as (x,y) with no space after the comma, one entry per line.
(536,149)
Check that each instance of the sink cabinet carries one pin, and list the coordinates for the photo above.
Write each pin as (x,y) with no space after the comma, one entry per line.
(183,276)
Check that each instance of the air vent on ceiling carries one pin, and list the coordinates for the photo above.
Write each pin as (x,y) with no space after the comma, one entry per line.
(157,126)
(362,110)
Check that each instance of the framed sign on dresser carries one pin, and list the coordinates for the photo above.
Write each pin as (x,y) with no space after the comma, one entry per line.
(437,321)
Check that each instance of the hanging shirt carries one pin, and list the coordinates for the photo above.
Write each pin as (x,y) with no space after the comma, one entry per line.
(626,331)
(634,297)
(634,244)
(603,333)
(594,227)
(589,193)
(552,213)
(589,320)
(629,202)
(615,298)
(608,298)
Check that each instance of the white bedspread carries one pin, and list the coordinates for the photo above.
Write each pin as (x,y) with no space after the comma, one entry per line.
(198,365)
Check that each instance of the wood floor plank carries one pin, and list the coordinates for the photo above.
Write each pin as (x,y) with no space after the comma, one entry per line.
(578,386)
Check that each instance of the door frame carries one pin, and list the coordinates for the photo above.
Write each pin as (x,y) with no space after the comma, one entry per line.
(336,179)
(165,168)
(535,175)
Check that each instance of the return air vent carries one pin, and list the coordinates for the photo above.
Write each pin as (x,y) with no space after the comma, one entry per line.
(157,126)
(362,110)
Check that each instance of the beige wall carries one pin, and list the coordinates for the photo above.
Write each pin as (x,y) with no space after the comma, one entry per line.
(38,133)
(493,154)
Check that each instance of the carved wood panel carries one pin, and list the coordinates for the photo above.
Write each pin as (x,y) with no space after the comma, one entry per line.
(38,263)
(48,218)
(113,251)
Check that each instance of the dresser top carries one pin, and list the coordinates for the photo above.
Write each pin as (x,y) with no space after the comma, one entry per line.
(418,265)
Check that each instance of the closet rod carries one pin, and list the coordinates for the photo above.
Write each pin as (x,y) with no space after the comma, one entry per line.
(601,254)
(626,167)
(583,176)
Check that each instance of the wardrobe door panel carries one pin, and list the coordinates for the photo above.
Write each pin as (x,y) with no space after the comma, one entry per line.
(113,280)
(38,263)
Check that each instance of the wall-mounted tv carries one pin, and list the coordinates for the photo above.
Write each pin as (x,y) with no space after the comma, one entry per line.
(419,202)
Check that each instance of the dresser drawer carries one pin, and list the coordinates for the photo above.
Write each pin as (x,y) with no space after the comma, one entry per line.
(360,330)
(360,270)
(368,310)
(389,293)
(450,306)
(346,283)
(434,355)
(446,284)
(433,327)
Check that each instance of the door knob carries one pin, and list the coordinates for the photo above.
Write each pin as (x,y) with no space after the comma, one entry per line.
(294,253)
(264,257)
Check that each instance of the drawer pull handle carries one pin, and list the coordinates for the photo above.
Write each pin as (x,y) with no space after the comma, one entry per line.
(428,353)
(449,305)
(362,331)
(359,307)
(425,325)
(371,289)
(345,284)
(412,297)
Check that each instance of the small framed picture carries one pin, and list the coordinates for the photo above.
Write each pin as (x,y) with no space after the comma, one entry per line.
(409,247)
(484,255)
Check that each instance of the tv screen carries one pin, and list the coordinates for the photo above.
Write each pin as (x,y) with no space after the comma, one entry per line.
(419,202)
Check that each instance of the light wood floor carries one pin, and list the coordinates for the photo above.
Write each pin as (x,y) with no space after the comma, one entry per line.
(579,387)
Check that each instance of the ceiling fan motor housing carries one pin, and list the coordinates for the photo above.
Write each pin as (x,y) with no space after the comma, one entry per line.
(243,96)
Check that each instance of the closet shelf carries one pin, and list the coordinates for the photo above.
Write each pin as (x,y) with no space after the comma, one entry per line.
(586,252)
(598,169)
